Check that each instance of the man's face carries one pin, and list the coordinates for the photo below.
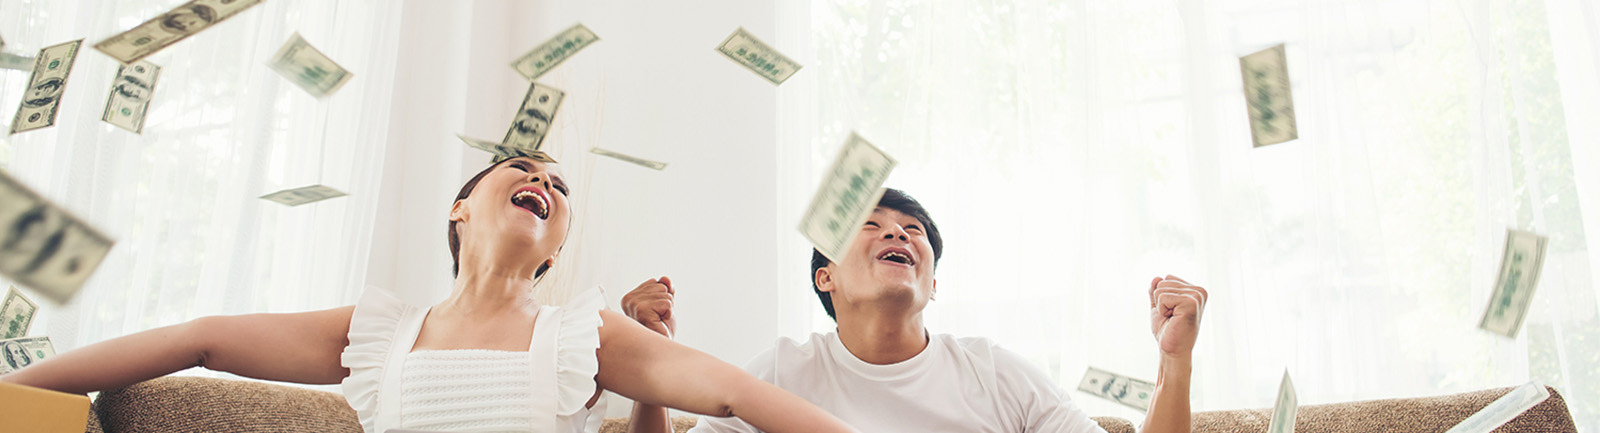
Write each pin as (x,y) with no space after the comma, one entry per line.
(889,260)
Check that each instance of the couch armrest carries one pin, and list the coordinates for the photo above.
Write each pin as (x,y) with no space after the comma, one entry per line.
(1423,414)
(197,404)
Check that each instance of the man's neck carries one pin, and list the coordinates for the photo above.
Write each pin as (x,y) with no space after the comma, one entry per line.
(882,339)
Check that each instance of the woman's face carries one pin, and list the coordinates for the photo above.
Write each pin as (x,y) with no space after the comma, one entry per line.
(521,201)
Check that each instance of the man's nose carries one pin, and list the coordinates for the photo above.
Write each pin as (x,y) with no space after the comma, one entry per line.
(894,231)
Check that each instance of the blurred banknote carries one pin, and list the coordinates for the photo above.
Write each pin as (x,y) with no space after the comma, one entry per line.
(16,63)
(1503,409)
(533,118)
(308,68)
(1266,96)
(16,353)
(849,192)
(1513,289)
(756,56)
(43,246)
(16,314)
(1130,392)
(1287,407)
(303,195)
(130,95)
(503,152)
(558,49)
(168,28)
(658,166)
(49,81)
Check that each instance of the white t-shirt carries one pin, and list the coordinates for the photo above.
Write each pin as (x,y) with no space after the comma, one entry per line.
(954,385)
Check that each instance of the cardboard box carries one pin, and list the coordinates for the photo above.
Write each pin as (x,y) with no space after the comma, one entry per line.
(35,410)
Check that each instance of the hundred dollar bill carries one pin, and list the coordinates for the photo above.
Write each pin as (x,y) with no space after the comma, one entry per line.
(503,152)
(558,49)
(658,166)
(756,56)
(303,195)
(45,87)
(308,68)
(168,28)
(130,95)
(1503,409)
(44,247)
(1130,392)
(16,314)
(1287,407)
(849,192)
(533,118)
(16,353)
(1513,289)
(1266,97)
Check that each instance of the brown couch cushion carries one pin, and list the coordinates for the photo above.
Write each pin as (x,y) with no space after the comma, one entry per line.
(1424,414)
(681,424)
(197,404)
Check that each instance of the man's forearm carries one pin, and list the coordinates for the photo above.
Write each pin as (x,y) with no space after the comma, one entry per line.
(1169,409)
(649,418)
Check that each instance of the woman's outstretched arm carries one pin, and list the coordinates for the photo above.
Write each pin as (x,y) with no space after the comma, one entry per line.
(298,347)
(647,367)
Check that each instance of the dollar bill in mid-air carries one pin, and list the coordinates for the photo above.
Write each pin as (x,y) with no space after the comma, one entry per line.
(16,314)
(1267,98)
(1504,409)
(16,353)
(169,28)
(308,68)
(502,152)
(558,49)
(130,95)
(44,247)
(303,195)
(45,87)
(1128,391)
(654,165)
(1513,288)
(1287,407)
(849,192)
(533,118)
(756,56)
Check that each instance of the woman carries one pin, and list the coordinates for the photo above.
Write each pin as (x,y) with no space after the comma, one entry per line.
(488,358)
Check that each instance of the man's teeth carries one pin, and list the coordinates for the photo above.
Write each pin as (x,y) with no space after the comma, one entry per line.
(895,257)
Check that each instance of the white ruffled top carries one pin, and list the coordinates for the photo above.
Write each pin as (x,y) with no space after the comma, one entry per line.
(558,371)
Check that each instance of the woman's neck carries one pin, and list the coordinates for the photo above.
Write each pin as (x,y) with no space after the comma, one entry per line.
(482,289)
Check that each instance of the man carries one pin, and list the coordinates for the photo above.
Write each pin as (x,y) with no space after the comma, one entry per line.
(883,372)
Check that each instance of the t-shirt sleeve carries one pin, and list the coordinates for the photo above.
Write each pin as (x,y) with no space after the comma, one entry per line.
(1045,407)
(762,368)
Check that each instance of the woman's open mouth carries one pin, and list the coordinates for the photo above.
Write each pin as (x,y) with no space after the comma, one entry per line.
(533,200)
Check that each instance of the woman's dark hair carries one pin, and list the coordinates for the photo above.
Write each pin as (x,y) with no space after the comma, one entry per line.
(892,199)
(455,239)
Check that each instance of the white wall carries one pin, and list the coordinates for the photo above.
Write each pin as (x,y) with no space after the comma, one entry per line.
(652,87)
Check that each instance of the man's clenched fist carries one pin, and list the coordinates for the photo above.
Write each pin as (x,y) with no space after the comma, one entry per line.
(651,305)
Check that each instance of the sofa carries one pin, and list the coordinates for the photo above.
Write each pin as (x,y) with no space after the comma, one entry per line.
(193,404)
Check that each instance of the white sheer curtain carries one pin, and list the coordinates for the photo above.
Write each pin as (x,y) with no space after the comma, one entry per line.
(181,200)
(1072,150)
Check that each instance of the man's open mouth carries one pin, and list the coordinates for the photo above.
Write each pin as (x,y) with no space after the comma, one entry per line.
(897,255)
(530,199)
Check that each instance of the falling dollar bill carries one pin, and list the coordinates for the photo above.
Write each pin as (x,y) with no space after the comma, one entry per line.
(303,195)
(168,28)
(1287,407)
(45,87)
(308,68)
(658,166)
(16,314)
(44,247)
(1504,409)
(502,152)
(849,192)
(558,49)
(1266,97)
(1513,288)
(1130,392)
(756,56)
(16,353)
(533,118)
(130,95)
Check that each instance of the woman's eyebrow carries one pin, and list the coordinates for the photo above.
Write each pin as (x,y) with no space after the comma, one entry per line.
(560,183)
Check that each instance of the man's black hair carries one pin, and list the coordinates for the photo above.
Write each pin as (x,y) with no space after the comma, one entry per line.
(900,202)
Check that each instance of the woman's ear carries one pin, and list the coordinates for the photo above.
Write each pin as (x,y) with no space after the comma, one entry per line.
(458,211)
(824,279)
